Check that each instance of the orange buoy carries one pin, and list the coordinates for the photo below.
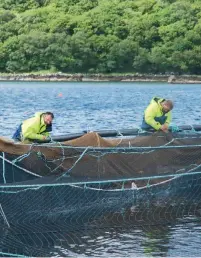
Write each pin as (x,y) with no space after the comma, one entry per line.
(60,95)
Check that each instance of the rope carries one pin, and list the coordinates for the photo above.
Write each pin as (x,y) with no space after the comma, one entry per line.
(20,158)
(10,254)
(119,149)
(192,129)
(119,133)
(97,152)
(141,131)
(63,158)
(69,170)
(4,216)
(175,129)
(4,168)
(37,186)
(24,169)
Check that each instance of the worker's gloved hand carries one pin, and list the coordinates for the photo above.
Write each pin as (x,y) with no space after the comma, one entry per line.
(164,128)
(48,138)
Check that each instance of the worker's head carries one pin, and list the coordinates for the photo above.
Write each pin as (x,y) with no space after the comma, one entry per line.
(167,105)
(48,117)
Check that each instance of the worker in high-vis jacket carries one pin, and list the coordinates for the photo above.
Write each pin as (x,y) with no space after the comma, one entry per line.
(35,129)
(157,116)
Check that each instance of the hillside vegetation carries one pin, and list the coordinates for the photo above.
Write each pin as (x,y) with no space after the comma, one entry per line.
(100,36)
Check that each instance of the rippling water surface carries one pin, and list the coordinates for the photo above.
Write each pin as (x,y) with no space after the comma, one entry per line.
(81,106)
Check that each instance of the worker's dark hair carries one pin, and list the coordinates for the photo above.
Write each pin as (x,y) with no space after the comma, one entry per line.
(50,114)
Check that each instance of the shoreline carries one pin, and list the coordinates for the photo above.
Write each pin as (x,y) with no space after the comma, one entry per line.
(63,77)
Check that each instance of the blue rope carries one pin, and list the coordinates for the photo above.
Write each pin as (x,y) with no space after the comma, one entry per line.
(192,129)
(37,186)
(4,169)
(68,171)
(20,158)
(174,128)
(10,254)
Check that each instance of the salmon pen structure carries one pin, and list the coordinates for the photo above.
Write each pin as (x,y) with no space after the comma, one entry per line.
(78,176)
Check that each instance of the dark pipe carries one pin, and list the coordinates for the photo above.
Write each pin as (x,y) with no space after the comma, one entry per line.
(122,132)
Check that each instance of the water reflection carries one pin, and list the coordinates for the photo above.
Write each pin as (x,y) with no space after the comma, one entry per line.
(131,232)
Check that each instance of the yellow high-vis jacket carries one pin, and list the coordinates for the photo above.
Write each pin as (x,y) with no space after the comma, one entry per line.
(34,128)
(154,112)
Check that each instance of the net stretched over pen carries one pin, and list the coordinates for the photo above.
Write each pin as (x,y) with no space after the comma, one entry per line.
(91,157)
(92,179)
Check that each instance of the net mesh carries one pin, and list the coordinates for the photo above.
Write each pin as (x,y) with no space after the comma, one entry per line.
(92,157)
(53,192)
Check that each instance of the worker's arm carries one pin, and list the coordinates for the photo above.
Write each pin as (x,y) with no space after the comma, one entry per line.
(31,131)
(150,114)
